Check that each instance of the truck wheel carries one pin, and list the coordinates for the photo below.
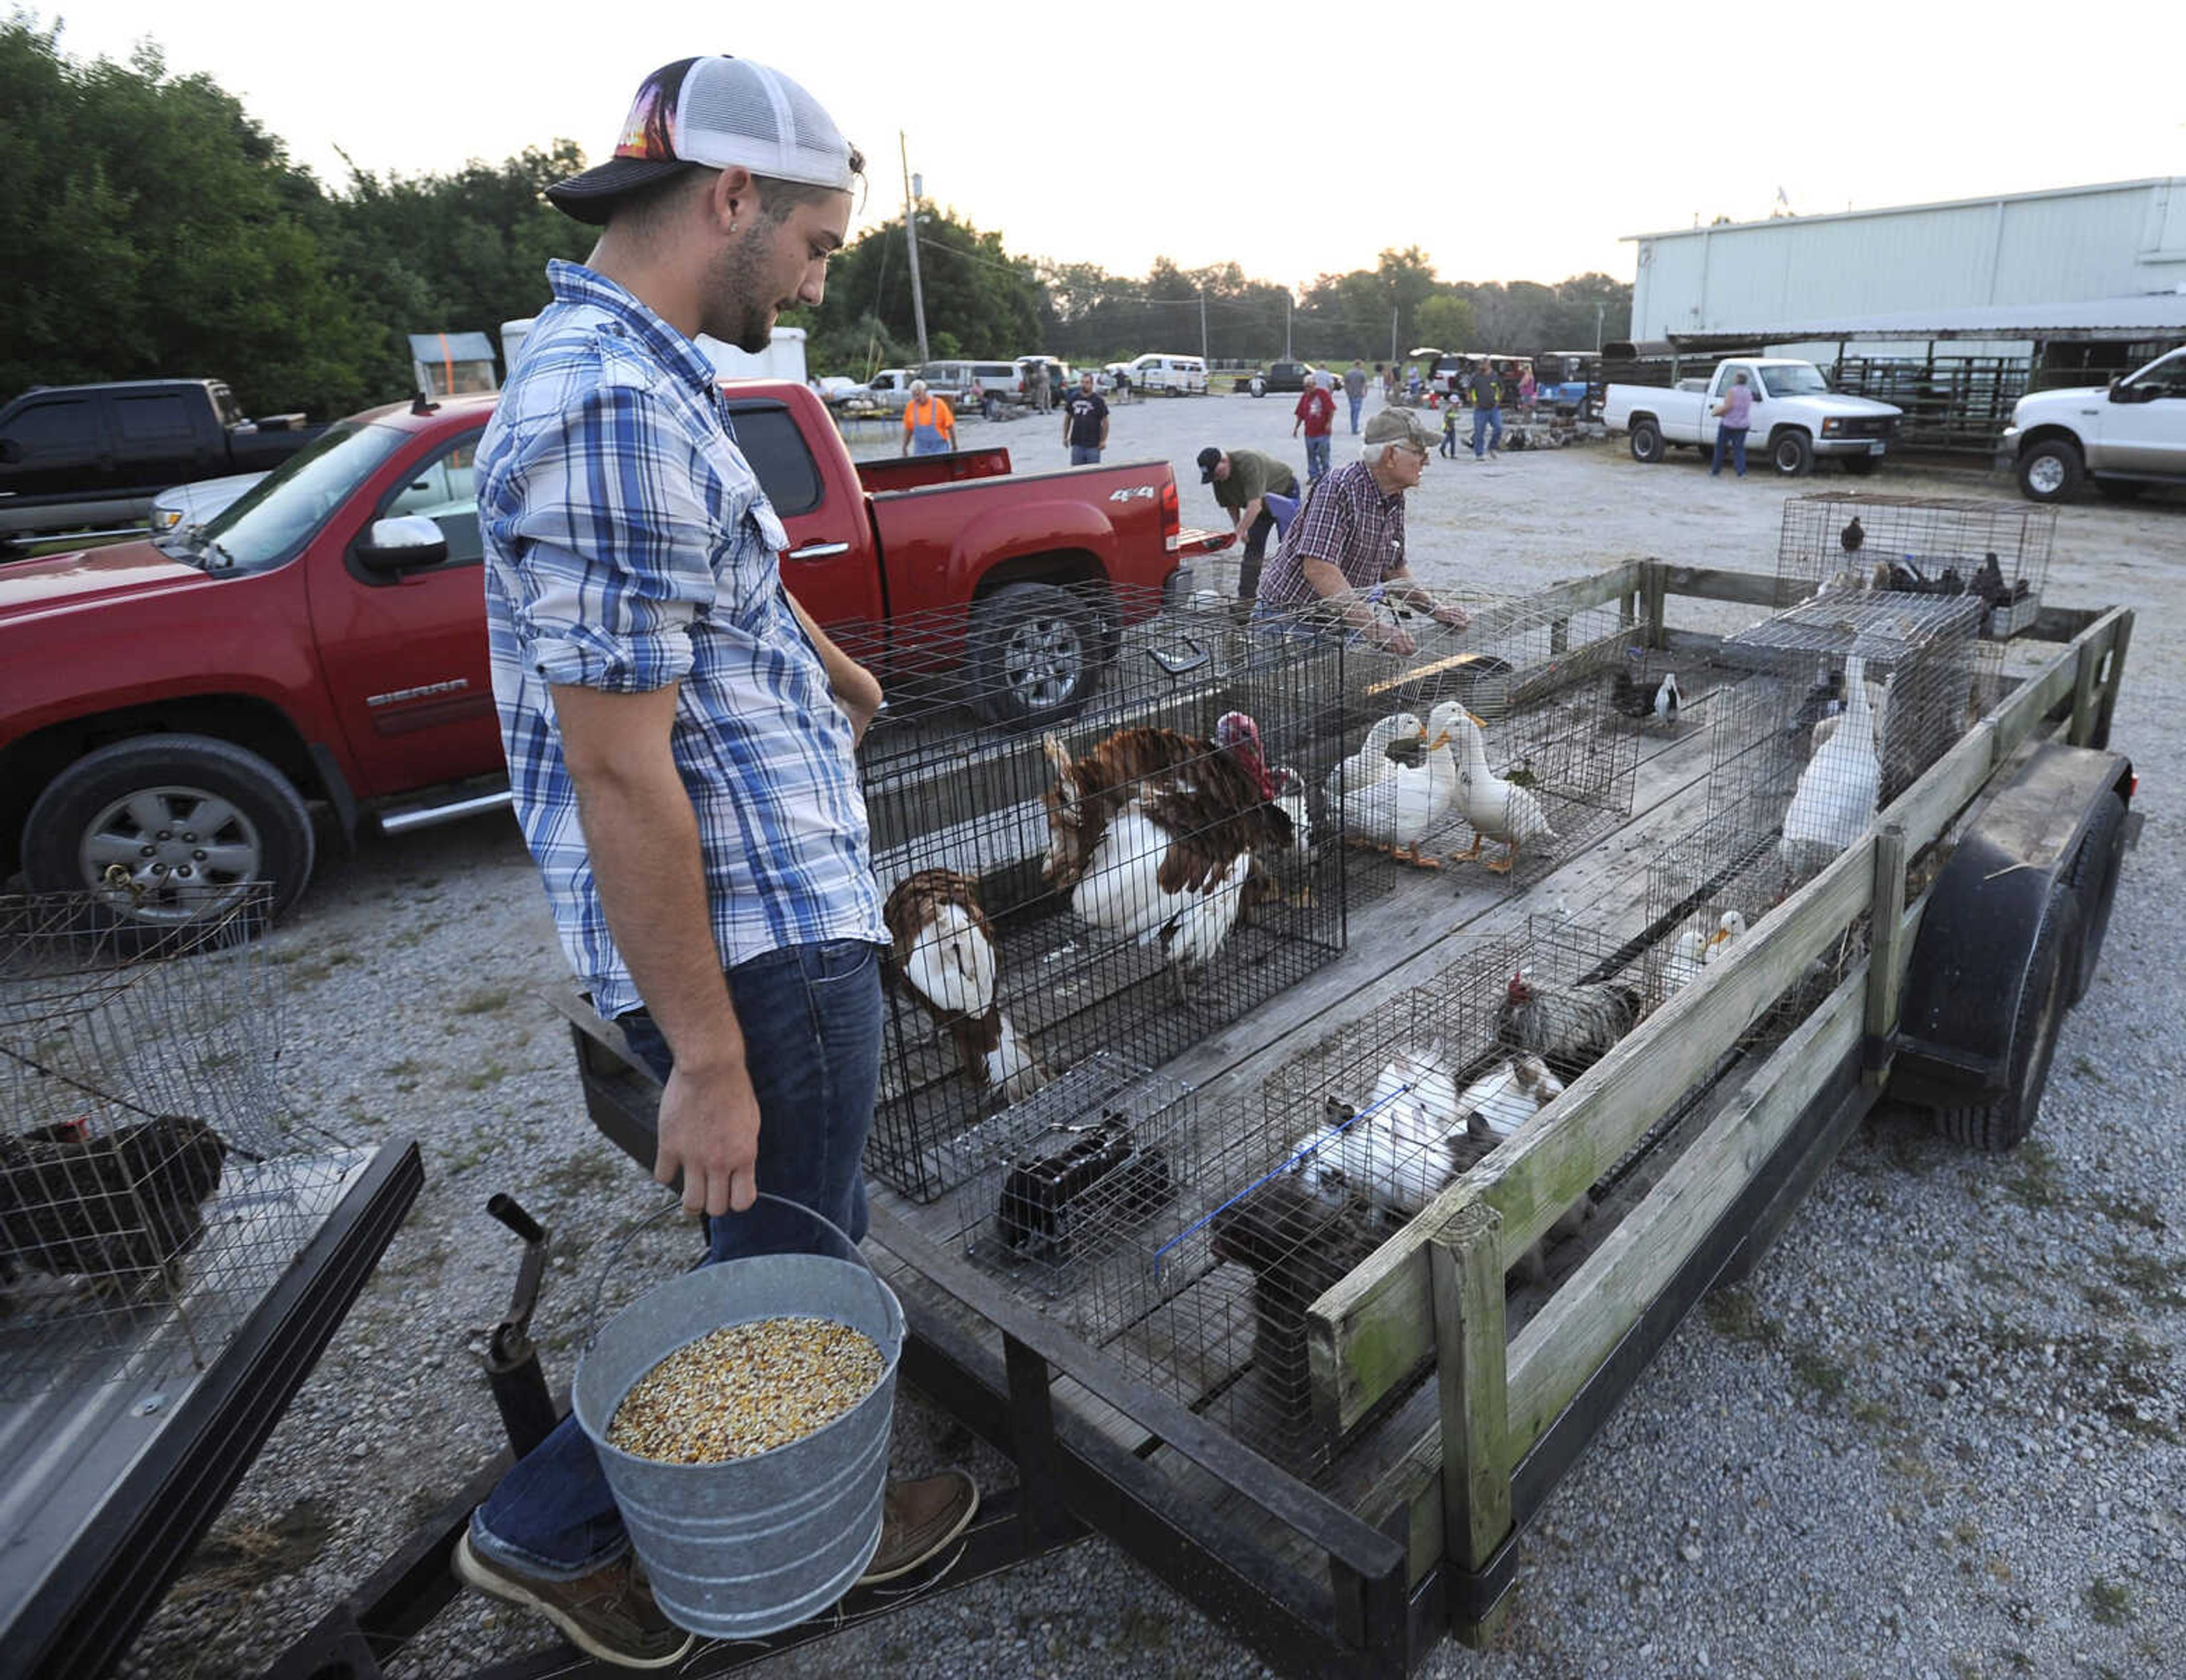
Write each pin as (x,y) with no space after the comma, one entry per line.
(168,828)
(2093,877)
(2051,471)
(1791,454)
(1647,444)
(2000,1123)
(1034,654)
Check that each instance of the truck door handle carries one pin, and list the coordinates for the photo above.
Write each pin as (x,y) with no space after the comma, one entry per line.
(818,551)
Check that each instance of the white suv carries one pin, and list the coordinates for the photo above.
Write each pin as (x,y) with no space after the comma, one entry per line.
(2124,437)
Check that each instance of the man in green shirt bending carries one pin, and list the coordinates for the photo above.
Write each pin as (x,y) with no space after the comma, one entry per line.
(1243,479)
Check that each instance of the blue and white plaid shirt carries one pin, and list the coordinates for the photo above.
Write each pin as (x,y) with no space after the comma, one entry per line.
(629,546)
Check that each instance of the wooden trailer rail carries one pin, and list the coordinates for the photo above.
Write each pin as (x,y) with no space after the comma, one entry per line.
(1433,1293)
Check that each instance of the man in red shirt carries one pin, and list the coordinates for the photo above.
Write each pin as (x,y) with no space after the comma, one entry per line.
(1316,413)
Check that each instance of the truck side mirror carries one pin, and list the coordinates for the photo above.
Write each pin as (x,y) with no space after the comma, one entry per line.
(408,542)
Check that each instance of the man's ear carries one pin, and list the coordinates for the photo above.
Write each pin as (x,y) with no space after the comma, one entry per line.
(734,198)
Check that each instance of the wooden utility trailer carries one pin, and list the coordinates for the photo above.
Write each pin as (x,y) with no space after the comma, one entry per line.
(1410,1531)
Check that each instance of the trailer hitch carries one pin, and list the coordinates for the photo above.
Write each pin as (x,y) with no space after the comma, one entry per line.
(511,1357)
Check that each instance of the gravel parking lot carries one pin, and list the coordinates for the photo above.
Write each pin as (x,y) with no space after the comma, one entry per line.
(1941,1431)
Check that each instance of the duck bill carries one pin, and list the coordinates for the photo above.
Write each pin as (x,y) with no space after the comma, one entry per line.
(1477,722)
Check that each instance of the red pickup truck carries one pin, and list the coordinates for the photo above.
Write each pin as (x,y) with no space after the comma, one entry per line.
(164,718)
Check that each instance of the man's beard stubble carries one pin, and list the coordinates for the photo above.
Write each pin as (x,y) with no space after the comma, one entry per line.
(736,310)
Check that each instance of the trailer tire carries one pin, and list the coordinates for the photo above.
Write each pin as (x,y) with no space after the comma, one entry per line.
(2000,1123)
(1647,444)
(2093,879)
(1035,655)
(96,812)
(1791,452)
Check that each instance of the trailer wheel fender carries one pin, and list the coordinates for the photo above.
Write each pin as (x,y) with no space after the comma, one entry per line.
(2003,947)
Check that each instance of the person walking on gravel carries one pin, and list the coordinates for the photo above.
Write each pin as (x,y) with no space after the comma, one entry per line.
(1316,413)
(1085,422)
(680,740)
(1355,390)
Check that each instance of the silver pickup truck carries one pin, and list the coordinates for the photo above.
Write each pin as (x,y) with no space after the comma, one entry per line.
(2124,437)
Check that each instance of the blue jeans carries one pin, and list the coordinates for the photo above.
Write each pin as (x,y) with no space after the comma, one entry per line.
(811,1020)
(1449,440)
(1085,455)
(1356,403)
(1734,436)
(1317,457)
(1486,431)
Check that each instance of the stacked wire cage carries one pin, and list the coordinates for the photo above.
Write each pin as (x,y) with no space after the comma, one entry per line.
(1226,1220)
(1543,705)
(151,1188)
(1996,551)
(1123,868)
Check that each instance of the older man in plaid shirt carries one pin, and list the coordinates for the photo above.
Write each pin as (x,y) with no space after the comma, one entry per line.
(1344,553)
(680,739)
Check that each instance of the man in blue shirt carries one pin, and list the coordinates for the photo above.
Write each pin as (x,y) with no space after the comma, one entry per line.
(680,739)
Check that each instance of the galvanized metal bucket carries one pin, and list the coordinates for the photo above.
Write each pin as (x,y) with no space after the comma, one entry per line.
(751,1546)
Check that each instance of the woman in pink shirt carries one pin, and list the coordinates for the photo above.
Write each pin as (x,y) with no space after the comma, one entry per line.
(1736,409)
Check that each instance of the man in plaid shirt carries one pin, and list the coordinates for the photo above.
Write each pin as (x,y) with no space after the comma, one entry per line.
(680,739)
(1344,553)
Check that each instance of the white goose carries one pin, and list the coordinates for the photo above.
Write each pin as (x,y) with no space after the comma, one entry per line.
(1497,809)
(1401,806)
(1835,799)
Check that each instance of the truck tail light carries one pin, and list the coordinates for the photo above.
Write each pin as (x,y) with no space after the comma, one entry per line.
(1172,516)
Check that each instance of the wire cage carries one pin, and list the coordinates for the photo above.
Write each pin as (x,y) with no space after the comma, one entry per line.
(1849,700)
(1130,877)
(1998,551)
(1272,1198)
(151,1188)
(1559,699)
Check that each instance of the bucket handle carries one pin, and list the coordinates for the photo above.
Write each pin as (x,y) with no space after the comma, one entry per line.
(622,1243)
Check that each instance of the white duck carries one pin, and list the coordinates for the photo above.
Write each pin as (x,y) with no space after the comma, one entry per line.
(1399,807)
(1835,799)
(1689,954)
(1496,809)
(1372,761)
(1728,931)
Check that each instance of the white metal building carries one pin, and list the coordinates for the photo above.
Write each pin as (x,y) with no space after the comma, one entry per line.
(2074,244)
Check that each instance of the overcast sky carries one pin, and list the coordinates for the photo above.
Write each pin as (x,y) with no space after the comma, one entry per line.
(1509,141)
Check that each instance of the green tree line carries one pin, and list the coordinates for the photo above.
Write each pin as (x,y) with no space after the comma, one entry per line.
(154,228)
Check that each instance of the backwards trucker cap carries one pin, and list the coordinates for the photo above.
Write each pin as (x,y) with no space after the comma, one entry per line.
(722,113)
(1209,459)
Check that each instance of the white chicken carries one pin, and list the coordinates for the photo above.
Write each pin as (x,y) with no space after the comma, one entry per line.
(1670,700)
(1496,809)
(1506,1097)
(1399,808)
(1837,792)
(1393,1149)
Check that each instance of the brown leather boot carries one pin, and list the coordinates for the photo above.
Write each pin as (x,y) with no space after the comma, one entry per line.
(609,1614)
(919,1520)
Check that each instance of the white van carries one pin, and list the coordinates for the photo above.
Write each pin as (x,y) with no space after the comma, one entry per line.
(1178,375)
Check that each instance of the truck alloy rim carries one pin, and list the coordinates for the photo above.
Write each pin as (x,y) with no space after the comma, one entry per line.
(170,853)
(2047,475)
(1043,660)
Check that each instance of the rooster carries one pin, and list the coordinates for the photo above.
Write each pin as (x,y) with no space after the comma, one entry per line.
(1157,835)
(1570,1028)
(115,1209)
(946,952)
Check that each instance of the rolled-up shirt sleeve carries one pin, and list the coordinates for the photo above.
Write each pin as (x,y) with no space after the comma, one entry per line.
(612,544)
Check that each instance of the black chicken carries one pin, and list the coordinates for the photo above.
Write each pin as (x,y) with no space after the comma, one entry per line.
(1570,1028)
(1627,694)
(1297,1244)
(1988,583)
(114,1209)
(1852,536)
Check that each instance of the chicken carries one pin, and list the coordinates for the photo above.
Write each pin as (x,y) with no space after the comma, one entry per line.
(1670,700)
(1157,834)
(1626,693)
(1496,809)
(1838,790)
(1391,1149)
(1509,1094)
(1570,1028)
(1851,536)
(1298,1246)
(115,1209)
(946,955)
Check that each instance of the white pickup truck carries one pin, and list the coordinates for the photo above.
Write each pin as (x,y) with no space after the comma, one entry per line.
(1796,416)
(2125,437)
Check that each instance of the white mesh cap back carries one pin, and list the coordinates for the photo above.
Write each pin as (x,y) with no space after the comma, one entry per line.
(735,112)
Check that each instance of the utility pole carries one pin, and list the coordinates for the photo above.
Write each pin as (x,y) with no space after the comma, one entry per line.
(1599,306)
(1203,323)
(1286,326)
(1392,338)
(910,234)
